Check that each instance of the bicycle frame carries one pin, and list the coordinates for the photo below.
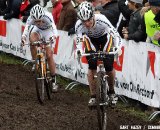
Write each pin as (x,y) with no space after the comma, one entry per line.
(41,56)
(42,79)
(102,99)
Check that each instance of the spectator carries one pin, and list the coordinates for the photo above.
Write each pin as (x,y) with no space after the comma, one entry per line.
(26,7)
(3,6)
(13,9)
(77,2)
(124,15)
(56,10)
(95,3)
(150,26)
(110,9)
(134,31)
(68,16)
(71,31)
(43,3)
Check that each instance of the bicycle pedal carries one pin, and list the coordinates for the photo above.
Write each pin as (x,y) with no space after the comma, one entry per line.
(103,104)
(95,76)
(41,78)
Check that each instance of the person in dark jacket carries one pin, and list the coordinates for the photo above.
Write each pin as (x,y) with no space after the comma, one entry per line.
(110,9)
(3,6)
(68,16)
(26,12)
(13,9)
(125,13)
(134,31)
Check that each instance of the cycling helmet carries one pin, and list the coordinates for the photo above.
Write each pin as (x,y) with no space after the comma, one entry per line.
(85,11)
(37,12)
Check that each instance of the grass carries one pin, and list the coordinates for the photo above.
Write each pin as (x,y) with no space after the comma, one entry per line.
(130,108)
(9,59)
(133,110)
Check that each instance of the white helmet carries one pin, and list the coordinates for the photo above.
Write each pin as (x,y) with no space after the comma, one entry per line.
(37,12)
(85,11)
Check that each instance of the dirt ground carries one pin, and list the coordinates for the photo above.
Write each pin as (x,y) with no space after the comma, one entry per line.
(20,110)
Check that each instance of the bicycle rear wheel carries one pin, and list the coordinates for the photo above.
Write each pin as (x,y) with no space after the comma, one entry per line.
(101,102)
(48,85)
(40,81)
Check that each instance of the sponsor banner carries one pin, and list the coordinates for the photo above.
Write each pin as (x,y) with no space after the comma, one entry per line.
(137,72)
(11,43)
(139,78)
(3,28)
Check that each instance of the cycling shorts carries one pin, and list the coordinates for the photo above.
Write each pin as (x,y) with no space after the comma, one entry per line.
(44,34)
(108,63)
(99,44)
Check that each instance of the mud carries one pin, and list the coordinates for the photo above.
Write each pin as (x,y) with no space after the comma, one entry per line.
(20,110)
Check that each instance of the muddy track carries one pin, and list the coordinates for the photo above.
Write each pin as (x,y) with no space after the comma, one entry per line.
(20,110)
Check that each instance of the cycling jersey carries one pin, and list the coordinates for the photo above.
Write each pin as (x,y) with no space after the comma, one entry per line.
(47,23)
(101,27)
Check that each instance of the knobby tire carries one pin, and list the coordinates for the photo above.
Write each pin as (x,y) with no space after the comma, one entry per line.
(40,83)
(48,84)
(101,98)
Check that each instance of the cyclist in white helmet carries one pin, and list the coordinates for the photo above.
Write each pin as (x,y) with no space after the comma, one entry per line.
(100,33)
(40,25)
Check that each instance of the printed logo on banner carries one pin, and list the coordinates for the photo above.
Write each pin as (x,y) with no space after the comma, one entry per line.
(22,29)
(150,62)
(121,57)
(74,48)
(56,46)
(83,59)
(2,28)
(80,72)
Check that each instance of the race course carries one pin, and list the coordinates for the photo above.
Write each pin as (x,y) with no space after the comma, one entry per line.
(20,110)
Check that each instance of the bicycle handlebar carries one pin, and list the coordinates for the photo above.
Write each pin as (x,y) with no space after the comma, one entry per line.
(41,42)
(98,55)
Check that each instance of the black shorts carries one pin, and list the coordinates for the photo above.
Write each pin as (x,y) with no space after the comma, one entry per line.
(108,63)
(99,44)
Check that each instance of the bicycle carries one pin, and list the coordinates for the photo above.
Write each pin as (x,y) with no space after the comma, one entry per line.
(42,74)
(102,98)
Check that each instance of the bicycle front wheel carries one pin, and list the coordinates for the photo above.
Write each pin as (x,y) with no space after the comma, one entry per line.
(101,102)
(40,81)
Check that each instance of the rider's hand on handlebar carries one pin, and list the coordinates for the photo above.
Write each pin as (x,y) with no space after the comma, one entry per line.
(118,50)
(52,39)
(78,53)
(23,40)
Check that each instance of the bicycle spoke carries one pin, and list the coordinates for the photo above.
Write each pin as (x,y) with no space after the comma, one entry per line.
(101,102)
(48,86)
(40,82)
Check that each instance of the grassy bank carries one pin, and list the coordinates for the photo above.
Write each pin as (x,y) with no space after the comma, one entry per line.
(9,59)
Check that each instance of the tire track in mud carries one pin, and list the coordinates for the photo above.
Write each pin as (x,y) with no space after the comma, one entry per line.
(20,110)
